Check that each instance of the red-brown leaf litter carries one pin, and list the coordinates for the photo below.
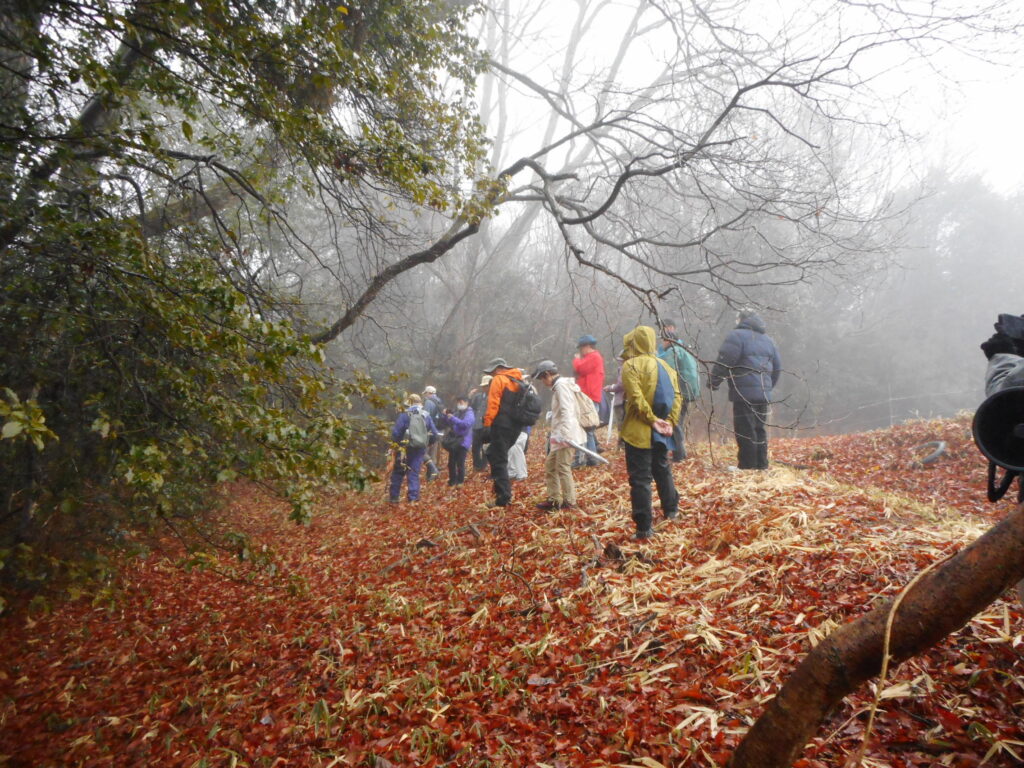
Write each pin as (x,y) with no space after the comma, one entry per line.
(446,633)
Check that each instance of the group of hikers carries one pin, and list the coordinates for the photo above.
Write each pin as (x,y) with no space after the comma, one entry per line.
(649,399)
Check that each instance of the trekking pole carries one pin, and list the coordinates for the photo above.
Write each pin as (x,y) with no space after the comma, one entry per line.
(587,451)
(611,422)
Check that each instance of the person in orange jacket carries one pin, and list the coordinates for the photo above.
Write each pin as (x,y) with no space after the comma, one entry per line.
(500,430)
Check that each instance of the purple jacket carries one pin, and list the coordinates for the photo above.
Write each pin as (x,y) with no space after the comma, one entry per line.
(461,426)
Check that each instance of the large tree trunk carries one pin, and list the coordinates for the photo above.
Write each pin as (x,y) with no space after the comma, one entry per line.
(940,603)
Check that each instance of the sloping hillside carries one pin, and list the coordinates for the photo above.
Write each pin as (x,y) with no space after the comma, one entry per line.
(443,633)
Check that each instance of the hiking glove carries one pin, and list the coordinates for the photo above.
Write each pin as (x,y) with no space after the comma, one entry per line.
(999,343)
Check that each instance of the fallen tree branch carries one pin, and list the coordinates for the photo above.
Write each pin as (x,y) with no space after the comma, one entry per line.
(942,602)
(886,656)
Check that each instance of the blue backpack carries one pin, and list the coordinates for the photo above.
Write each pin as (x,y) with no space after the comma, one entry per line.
(664,399)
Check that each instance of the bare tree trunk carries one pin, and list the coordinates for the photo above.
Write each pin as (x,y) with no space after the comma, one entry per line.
(942,602)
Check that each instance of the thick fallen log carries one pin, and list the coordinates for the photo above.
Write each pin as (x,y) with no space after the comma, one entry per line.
(942,602)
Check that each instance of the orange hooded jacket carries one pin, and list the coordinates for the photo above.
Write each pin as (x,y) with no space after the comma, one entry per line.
(508,379)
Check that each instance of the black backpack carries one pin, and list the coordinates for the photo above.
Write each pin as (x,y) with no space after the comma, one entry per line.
(524,405)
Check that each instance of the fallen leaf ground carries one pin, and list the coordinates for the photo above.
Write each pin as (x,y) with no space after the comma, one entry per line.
(443,633)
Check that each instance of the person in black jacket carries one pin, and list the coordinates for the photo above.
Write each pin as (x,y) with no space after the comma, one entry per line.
(749,360)
(478,402)
(1005,354)
(501,429)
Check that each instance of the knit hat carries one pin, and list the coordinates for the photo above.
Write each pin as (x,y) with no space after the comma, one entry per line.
(586,339)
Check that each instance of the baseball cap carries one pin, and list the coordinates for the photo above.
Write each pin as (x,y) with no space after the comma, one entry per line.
(544,366)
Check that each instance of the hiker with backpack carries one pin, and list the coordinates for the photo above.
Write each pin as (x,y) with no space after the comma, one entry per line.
(457,439)
(588,365)
(434,407)
(412,432)
(684,364)
(478,402)
(512,405)
(565,429)
(653,402)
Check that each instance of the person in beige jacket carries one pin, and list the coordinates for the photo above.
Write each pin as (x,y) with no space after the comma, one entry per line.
(565,428)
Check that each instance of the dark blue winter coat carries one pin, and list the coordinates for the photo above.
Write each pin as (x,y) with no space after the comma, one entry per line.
(478,403)
(434,407)
(749,360)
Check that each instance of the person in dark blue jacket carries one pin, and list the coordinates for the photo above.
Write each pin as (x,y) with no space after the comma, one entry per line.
(749,360)
(412,426)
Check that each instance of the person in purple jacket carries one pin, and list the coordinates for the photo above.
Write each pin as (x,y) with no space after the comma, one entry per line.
(414,430)
(460,421)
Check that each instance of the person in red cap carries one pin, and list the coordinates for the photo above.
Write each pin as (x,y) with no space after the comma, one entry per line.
(589,368)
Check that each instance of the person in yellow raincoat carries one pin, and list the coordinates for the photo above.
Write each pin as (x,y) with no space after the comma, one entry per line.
(653,402)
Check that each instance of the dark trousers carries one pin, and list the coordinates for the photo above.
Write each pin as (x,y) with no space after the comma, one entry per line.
(502,438)
(749,420)
(644,465)
(679,434)
(407,466)
(479,459)
(457,465)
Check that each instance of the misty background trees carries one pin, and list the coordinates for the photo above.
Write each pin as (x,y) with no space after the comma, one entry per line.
(877,270)
(229,225)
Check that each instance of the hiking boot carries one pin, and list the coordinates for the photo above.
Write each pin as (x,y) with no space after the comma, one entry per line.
(547,506)
(671,515)
(496,503)
(643,535)
(567,505)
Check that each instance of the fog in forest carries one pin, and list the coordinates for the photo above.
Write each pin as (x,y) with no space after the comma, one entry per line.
(877,264)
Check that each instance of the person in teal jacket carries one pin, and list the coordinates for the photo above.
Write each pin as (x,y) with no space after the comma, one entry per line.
(684,364)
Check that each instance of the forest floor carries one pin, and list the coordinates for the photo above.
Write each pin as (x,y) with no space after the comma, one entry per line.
(445,633)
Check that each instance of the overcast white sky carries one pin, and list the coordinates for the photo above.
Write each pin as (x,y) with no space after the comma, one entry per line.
(970,125)
(983,132)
